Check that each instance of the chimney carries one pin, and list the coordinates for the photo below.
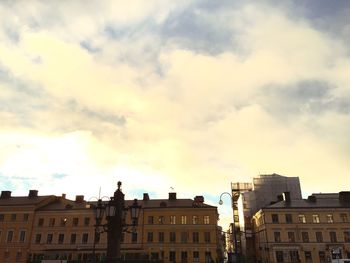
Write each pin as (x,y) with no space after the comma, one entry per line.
(172,196)
(64,196)
(199,199)
(79,198)
(286,197)
(5,194)
(33,193)
(344,197)
(280,198)
(312,198)
(145,197)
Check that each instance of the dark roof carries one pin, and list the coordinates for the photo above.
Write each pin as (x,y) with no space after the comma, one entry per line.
(24,200)
(62,203)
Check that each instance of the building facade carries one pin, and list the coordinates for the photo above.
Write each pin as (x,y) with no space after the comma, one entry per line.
(35,227)
(316,229)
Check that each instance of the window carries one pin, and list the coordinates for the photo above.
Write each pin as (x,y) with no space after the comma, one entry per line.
(319,237)
(6,256)
(333,237)
(134,237)
(22,236)
(344,218)
(277,236)
(173,220)
(172,237)
(41,222)
(308,257)
(63,221)
(2,217)
(316,219)
(98,237)
(172,256)
(302,219)
(49,238)
(161,237)
(18,256)
(86,221)
(207,237)
(195,237)
(322,256)
(206,220)
(73,238)
(37,238)
(274,218)
(330,218)
(25,217)
(184,256)
(184,220)
(75,221)
(347,236)
(52,222)
(13,217)
(161,219)
(279,256)
(184,237)
(291,237)
(305,237)
(150,237)
(9,236)
(85,238)
(195,256)
(208,258)
(195,220)
(60,238)
(150,220)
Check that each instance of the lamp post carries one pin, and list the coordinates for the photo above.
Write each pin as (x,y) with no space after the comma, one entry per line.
(115,213)
(234,232)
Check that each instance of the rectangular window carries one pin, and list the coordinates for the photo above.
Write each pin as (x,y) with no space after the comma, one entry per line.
(86,221)
(195,256)
(347,236)
(85,238)
(150,220)
(13,217)
(75,221)
(344,218)
(161,220)
(305,237)
(2,217)
(315,219)
(333,237)
(18,256)
(37,238)
(302,219)
(184,257)
(73,238)
(172,256)
(206,220)
(274,218)
(98,237)
(277,236)
(25,217)
(319,237)
(9,236)
(150,237)
(52,222)
(161,237)
(184,220)
(22,236)
(49,238)
(330,218)
(6,256)
(195,237)
(322,256)
(289,219)
(308,257)
(63,221)
(208,258)
(291,237)
(173,220)
(195,220)
(279,256)
(134,237)
(60,238)
(172,237)
(207,237)
(41,222)
(184,237)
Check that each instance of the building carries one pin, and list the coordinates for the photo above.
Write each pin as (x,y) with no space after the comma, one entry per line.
(316,229)
(33,228)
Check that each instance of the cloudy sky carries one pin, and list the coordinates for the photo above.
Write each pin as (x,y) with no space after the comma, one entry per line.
(184,96)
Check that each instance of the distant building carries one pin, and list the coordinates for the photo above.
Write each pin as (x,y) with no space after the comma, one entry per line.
(33,228)
(316,229)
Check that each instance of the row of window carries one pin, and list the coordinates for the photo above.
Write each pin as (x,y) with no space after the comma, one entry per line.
(184,237)
(61,238)
(316,219)
(318,237)
(10,236)
(63,221)
(14,217)
(294,256)
(182,220)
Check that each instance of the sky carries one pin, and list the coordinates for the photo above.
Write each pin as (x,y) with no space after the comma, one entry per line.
(163,95)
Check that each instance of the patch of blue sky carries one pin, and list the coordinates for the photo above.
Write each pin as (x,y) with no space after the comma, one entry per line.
(59,176)
(88,45)
(138,193)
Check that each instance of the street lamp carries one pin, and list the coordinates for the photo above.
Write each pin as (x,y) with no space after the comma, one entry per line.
(234,227)
(115,213)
